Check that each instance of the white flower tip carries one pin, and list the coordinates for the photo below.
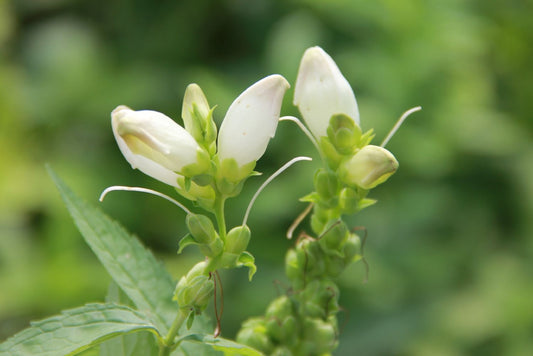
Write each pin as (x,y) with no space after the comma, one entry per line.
(118,109)
(322,91)
(251,120)
(194,95)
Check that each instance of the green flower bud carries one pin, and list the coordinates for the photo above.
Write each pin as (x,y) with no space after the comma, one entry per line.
(327,186)
(254,334)
(195,289)
(352,248)
(348,200)
(320,299)
(344,134)
(280,321)
(201,228)
(198,118)
(334,238)
(311,258)
(279,308)
(370,166)
(335,265)
(293,268)
(237,240)
(282,351)
(320,337)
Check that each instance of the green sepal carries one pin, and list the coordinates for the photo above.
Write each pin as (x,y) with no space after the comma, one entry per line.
(366,202)
(187,240)
(187,184)
(349,200)
(190,319)
(366,138)
(333,158)
(246,259)
(230,176)
(311,198)
(202,165)
(344,134)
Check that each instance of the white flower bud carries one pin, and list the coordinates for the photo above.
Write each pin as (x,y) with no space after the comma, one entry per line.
(153,143)
(370,166)
(251,121)
(321,91)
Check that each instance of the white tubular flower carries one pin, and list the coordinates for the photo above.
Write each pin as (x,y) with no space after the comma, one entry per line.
(322,91)
(251,121)
(153,143)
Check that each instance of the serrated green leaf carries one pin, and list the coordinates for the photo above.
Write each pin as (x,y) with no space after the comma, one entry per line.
(186,241)
(228,347)
(141,343)
(129,263)
(76,330)
(248,260)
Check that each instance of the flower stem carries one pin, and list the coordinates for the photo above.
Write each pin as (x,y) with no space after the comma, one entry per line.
(168,342)
(220,217)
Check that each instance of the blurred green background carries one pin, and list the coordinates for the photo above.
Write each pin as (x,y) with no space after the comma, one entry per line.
(450,244)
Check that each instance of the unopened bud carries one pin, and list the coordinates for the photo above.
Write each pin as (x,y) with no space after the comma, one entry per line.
(344,134)
(327,186)
(320,337)
(370,166)
(237,240)
(254,334)
(201,228)
(197,116)
(195,289)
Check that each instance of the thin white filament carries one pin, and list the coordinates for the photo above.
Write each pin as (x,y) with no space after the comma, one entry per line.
(270,179)
(143,190)
(302,127)
(399,123)
(298,220)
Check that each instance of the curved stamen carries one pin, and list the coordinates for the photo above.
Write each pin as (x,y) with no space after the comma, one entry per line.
(399,123)
(270,179)
(142,190)
(302,127)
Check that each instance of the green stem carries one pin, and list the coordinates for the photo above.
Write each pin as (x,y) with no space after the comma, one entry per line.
(168,342)
(220,217)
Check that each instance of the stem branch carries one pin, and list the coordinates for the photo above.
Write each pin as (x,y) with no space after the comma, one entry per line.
(168,342)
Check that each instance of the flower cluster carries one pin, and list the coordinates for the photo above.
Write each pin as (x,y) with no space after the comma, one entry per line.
(303,322)
(207,166)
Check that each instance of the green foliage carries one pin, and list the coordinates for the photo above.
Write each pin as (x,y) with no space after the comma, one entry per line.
(76,330)
(228,347)
(131,265)
(449,248)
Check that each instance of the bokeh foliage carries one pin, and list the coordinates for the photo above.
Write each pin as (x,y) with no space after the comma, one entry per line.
(450,243)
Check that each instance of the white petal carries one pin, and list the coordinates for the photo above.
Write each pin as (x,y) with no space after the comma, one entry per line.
(251,120)
(322,91)
(153,143)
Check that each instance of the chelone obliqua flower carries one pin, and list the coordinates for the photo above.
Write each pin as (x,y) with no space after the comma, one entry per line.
(159,147)
(325,99)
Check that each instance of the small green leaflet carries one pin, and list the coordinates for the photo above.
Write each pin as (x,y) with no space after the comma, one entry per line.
(76,330)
